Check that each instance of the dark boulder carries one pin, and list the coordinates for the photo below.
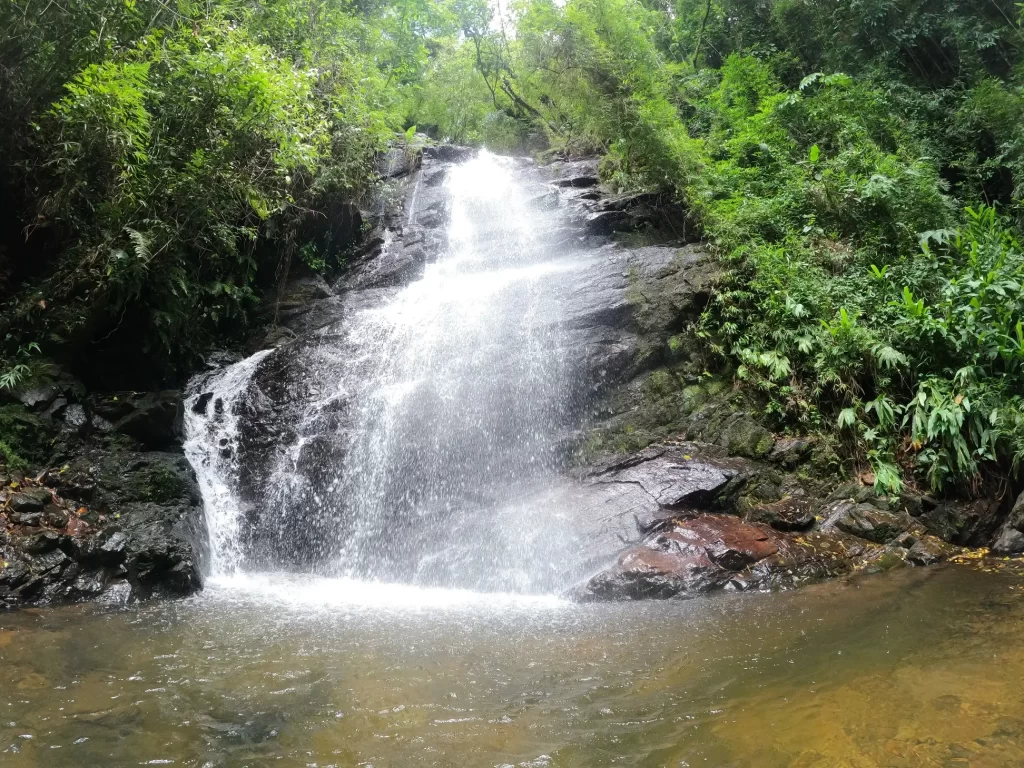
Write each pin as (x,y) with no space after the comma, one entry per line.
(151,418)
(865,521)
(654,485)
(643,573)
(142,533)
(1010,538)
(929,550)
(29,500)
(714,552)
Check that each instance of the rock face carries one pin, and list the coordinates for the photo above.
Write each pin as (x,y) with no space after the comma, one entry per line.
(117,514)
(597,320)
(1010,540)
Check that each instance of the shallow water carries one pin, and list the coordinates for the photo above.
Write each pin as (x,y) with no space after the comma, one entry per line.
(917,668)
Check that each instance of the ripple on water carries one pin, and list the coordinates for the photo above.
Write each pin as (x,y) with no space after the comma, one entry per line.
(919,668)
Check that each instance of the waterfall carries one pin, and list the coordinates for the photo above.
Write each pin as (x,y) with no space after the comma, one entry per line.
(425,428)
(210,446)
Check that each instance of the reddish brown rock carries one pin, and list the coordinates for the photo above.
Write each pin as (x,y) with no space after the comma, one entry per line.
(691,557)
(729,541)
(643,573)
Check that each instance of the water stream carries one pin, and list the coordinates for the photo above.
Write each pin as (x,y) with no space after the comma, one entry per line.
(904,670)
(456,390)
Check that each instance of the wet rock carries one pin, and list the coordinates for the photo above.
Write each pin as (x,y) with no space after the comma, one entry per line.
(929,550)
(40,396)
(727,540)
(1010,539)
(91,583)
(449,153)
(14,573)
(153,534)
(162,551)
(672,477)
(113,549)
(791,452)
(865,521)
(75,417)
(48,560)
(692,557)
(40,543)
(642,573)
(29,500)
(396,266)
(787,514)
(29,519)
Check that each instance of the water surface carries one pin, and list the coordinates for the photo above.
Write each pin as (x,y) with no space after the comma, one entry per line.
(917,668)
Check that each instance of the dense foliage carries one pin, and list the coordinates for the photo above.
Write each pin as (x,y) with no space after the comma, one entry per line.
(163,162)
(856,164)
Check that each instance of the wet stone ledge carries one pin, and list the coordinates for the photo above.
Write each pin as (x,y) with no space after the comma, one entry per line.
(692,520)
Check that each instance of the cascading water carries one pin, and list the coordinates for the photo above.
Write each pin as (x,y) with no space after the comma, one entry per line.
(427,422)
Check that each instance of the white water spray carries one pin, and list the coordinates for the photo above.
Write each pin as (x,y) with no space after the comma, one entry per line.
(437,415)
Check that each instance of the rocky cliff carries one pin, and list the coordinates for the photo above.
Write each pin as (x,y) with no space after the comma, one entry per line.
(674,482)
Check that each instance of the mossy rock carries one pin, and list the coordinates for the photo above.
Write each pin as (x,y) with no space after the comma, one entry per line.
(147,477)
(25,438)
(745,437)
(889,560)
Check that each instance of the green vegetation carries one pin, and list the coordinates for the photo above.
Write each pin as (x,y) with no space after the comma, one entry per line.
(163,161)
(857,165)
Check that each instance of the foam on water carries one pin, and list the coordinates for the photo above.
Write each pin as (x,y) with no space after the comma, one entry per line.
(302,592)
